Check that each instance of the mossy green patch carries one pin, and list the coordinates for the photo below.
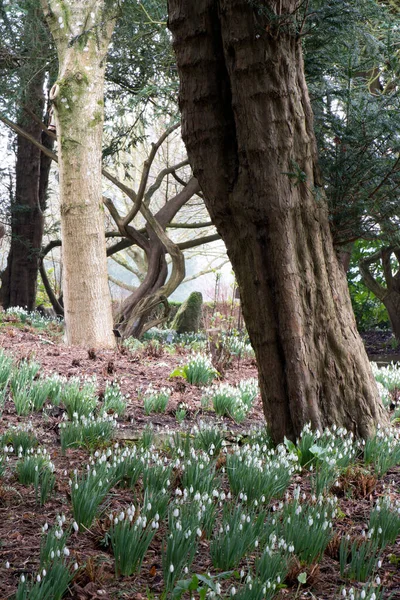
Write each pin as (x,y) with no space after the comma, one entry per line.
(188,317)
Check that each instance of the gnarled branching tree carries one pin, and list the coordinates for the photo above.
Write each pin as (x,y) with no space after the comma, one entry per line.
(158,283)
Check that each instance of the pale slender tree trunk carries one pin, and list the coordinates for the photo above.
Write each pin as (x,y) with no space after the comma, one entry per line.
(82,31)
(247,125)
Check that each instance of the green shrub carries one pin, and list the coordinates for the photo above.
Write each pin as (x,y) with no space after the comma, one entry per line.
(79,398)
(156,400)
(198,371)
(130,537)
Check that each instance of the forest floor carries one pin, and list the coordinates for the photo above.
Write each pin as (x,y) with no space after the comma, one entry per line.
(21,518)
(380,345)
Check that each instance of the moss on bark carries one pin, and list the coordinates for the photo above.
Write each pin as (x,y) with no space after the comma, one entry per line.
(188,317)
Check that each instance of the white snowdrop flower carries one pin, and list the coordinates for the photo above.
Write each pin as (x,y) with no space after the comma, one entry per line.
(75,526)
(76,567)
(171,568)
(176,512)
(233,591)
(199,532)
(38,579)
(186,570)
(23,578)
(379,564)
(7,565)
(66,551)
(363,594)
(44,573)
(58,553)
(241,574)
(378,580)
(344,593)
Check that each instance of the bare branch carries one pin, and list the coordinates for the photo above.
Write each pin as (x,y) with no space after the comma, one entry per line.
(372,284)
(206,271)
(52,297)
(199,225)
(386,266)
(169,210)
(199,241)
(124,188)
(145,174)
(122,284)
(29,137)
(112,209)
(153,188)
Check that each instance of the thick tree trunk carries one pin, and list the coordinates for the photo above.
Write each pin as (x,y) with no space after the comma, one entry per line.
(19,279)
(247,125)
(82,32)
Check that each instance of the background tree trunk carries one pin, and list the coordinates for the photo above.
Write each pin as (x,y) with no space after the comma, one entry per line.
(78,97)
(389,295)
(19,279)
(247,125)
(392,305)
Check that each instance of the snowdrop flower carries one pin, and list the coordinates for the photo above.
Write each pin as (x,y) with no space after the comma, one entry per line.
(171,568)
